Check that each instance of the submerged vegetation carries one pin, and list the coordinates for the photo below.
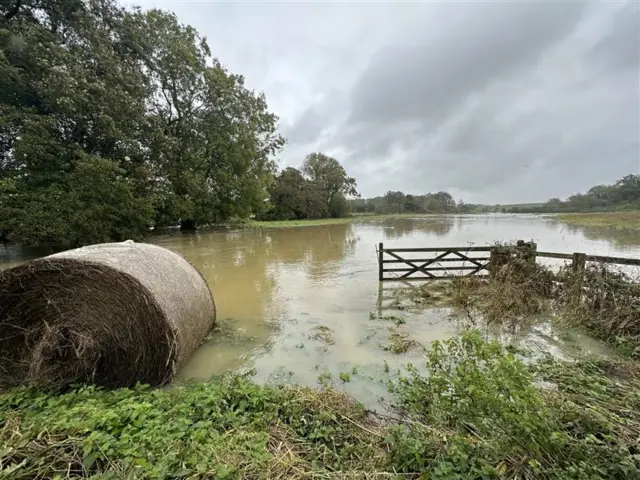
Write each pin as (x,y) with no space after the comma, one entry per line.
(479,412)
(628,220)
(600,300)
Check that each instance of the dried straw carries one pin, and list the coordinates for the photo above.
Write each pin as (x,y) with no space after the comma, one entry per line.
(112,314)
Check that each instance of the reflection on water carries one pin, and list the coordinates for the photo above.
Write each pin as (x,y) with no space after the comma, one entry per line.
(276,286)
(398,228)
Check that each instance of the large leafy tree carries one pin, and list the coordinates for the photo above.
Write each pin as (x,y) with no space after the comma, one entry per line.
(72,103)
(329,175)
(112,121)
(213,139)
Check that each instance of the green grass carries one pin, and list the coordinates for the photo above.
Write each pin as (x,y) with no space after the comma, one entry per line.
(325,221)
(477,412)
(297,223)
(629,220)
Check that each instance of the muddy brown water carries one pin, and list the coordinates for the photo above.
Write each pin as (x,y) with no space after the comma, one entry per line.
(275,287)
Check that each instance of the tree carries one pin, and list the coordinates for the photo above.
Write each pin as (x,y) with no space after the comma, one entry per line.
(215,137)
(291,196)
(88,88)
(327,174)
(287,196)
(70,96)
(339,206)
(393,202)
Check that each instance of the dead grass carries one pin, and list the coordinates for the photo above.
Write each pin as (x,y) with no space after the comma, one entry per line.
(519,292)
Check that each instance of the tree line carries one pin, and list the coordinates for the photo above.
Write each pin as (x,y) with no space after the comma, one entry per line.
(317,190)
(115,121)
(624,194)
(395,202)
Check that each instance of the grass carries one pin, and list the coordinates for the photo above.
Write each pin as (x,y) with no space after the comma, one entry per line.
(629,220)
(478,412)
(325,221)
(297,223)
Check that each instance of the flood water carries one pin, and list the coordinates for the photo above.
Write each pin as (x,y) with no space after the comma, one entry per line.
(274,287)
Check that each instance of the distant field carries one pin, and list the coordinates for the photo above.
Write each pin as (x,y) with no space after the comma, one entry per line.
(326,221)
(522,205)
(629,219)
(297,223)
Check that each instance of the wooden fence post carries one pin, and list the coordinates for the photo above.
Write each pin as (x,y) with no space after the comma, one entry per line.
(577,268)
(532,253)
(499,256)
(527,250)
(380,264)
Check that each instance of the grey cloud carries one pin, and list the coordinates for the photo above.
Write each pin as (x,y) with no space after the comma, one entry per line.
(619,49)
(483,42)
(497,101)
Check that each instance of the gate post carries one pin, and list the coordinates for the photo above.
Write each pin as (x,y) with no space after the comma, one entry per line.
(380,264)
(577,269)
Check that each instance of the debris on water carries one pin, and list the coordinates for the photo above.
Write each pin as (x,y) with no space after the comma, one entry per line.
(399,342)
(323,334)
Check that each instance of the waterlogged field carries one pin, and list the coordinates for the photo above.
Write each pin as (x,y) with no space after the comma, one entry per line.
(314,372)
(302,304)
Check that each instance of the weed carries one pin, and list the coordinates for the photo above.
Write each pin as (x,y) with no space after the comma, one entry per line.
(399,343)
(479,414)
(323,334)
(324,379)
(388,318)
(345,377)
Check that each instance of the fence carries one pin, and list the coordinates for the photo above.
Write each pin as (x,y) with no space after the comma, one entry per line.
(470,261)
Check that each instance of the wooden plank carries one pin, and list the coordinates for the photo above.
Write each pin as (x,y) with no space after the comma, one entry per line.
(615,260)
(431,269)
(408,262)
(422,268)
(427,279)
(467,259)
(439,249)
(563,256)
(478,259)
(592,258)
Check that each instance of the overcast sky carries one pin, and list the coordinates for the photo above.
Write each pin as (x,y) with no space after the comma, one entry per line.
(495,102)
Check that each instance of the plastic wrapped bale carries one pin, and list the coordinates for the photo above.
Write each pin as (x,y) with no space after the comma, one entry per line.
(111,314)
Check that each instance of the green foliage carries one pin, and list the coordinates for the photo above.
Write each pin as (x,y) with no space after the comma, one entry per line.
(477,412)
(318,191)
(327,173)
(480,414)
(294,197)
(339,206)
(398,202)
(112,121)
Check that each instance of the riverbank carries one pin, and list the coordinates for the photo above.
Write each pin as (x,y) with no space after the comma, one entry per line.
(465,418)
(325,221)
(628,220)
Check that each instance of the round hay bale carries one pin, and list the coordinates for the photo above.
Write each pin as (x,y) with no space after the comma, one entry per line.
(112,314)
